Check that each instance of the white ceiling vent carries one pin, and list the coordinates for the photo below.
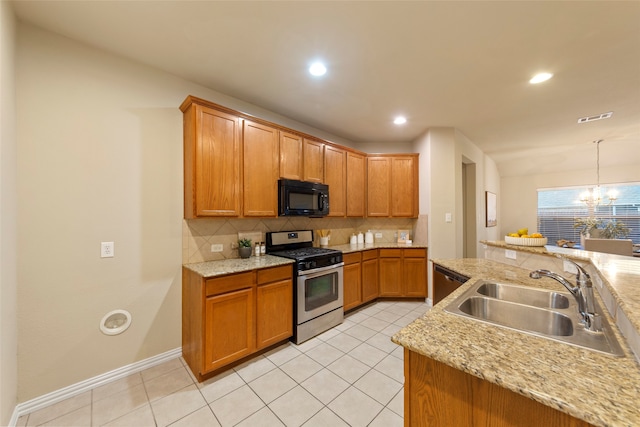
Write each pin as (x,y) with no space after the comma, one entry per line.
(594,118)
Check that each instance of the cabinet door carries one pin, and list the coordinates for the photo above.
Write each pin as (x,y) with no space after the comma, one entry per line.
(212,163)
(335,177)
(290,156)
(369,278)
(229,328)
(274,313)
(352,285)
(404,187)
(313,161)
(415,277)
(355,184)
(390,264)
(260,170)
(378,186)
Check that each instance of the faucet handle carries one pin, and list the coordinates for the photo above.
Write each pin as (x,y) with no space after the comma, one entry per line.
(593,322)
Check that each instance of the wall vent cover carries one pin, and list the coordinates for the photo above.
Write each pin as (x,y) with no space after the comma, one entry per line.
(594,118)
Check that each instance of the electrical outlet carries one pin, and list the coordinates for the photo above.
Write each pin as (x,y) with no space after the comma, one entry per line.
(447,217)
(378,235)
(217,247)
(107,250)
(508,253)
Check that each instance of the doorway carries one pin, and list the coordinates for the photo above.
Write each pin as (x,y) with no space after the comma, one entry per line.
(469,235)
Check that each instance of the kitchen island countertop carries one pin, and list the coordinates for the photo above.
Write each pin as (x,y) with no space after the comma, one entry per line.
(598,388)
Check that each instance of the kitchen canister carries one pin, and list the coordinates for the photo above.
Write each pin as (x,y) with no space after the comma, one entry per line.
(354,239)
(368,237)
(360,238)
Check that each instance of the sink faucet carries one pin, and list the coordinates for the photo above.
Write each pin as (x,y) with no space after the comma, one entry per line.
(582,292)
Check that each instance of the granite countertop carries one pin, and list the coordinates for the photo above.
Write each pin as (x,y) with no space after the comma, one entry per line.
(236,265)
(348,248)
(597,388)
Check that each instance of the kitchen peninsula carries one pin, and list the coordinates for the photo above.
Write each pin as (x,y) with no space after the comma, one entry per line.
(503,377)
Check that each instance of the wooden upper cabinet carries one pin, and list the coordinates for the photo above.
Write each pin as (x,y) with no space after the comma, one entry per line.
(392,185)
(335,170)
(291,156)
(313,152)
(378,186)
(261,169)
(212,159)
(404,186)
(356,168)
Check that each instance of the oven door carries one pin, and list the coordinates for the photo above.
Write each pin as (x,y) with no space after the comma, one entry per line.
(319,291)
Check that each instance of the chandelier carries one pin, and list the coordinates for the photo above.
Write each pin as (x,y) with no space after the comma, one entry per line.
(593,197)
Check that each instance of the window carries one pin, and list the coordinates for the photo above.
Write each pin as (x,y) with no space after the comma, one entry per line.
(558,208)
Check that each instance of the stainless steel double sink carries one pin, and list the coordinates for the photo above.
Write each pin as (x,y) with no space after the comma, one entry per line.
(540,312)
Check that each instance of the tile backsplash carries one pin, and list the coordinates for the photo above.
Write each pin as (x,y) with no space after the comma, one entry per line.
(200,234)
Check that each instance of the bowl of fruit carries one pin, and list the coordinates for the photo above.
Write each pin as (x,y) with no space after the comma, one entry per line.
(523,238)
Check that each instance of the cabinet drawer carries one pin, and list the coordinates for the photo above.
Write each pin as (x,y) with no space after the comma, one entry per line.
(274,274)
(233,282)
(351,258)
(390,253)
(370,254)
(415,253)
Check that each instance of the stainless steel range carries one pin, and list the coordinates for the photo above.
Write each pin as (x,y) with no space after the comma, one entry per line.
(318,275)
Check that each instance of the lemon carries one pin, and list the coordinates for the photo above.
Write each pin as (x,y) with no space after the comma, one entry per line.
(523,231)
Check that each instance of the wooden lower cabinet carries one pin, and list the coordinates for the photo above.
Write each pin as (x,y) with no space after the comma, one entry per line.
(437,395)
(352,280)
(370,289)
(403,272)
(227,318)
(228,328)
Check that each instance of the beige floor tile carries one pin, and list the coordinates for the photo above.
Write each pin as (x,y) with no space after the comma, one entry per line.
(263,418)
(309,344)
(360,332)
(295,407)
(399,309)
(382,342)
(141,417)
(392,367)
(346,324)
(387,316)
(301,368)
(375,324)
(254,368)
(328,334)
(325,418)
(236,406)
(397,403)
(116,386)
(161,369)
(282,354)
(348,368)
(203,417)
(168,383)
(355,407)
(59,409)
(390,330)
(78,418)
(220,385)
(387,418)
(398,352)
(325,385)
(357,317)
(324,354)
(119,404)
(368,354)
(272,385)
(177,405)
(379,386)
(344,342)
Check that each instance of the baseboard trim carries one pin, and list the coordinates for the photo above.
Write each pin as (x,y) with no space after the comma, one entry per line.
(91,383)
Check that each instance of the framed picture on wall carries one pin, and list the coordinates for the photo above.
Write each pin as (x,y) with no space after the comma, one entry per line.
(403,236)
(491,206)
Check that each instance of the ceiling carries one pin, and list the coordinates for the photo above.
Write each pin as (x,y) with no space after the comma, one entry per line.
(464,64)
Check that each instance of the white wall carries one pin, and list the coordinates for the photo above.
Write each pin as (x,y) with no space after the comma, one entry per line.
(8,203)
(99,159)
(519,203)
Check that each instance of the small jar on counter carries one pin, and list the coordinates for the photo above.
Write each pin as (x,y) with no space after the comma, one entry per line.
(263,249)
(256,250)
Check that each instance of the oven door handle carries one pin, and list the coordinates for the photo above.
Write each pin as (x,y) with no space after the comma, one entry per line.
(315,271)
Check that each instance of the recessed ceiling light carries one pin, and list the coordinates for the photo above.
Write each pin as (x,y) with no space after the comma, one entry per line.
(317,69)
(539,78)
(399,120)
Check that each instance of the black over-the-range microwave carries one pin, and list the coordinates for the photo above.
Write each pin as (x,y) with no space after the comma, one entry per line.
(302,198)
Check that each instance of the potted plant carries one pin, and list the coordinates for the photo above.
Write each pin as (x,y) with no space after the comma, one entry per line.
(244,248)
(587,225)
(597,228)
(615,230)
